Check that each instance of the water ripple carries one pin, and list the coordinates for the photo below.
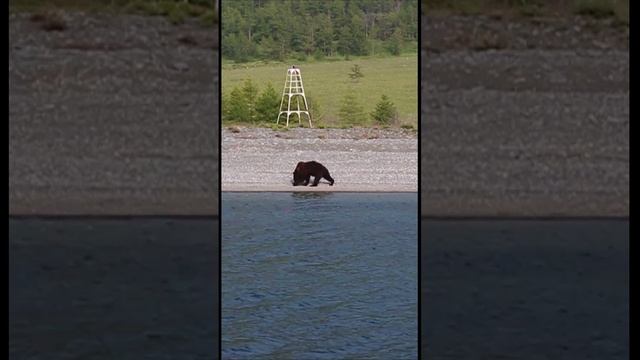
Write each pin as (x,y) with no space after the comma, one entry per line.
(319,277)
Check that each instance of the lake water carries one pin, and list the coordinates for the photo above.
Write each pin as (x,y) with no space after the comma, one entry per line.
(319,276)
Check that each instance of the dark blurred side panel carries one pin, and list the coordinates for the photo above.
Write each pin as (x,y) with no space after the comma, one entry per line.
(525,180)
(113,121)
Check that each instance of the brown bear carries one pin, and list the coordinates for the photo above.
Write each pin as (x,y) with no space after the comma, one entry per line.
(304,170)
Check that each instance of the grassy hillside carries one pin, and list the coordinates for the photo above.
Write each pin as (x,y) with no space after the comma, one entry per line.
(327,83)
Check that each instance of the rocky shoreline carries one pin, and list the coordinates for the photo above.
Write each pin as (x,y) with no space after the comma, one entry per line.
(114,115)
(359,159)
(524,117)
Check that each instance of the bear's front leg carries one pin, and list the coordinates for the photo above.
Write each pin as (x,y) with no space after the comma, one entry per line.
(316,180)
(306,180)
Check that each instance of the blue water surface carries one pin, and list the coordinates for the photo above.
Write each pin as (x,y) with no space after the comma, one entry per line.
(319,276)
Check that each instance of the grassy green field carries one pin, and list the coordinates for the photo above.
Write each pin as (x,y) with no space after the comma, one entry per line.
(327,82)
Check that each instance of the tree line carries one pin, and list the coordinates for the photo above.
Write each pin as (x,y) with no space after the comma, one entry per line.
(282,29)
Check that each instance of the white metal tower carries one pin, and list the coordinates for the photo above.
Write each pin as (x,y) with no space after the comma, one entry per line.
(294,91)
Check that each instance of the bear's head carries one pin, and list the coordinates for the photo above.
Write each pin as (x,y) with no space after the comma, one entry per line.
(298,175)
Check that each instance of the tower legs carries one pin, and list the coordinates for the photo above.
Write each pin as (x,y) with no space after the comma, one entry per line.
(293,88)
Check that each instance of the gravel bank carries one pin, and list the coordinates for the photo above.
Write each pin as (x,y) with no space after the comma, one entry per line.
(116,114)
(360,160)
(527,118)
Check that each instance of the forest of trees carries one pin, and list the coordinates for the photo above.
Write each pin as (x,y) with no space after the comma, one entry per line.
(282,29)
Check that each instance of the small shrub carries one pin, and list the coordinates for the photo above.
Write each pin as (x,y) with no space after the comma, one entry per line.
(235,107)
(267,105)
(385,112)
(250,97)
(356,73)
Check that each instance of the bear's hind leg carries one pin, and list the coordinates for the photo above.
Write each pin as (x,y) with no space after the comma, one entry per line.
(328,177)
